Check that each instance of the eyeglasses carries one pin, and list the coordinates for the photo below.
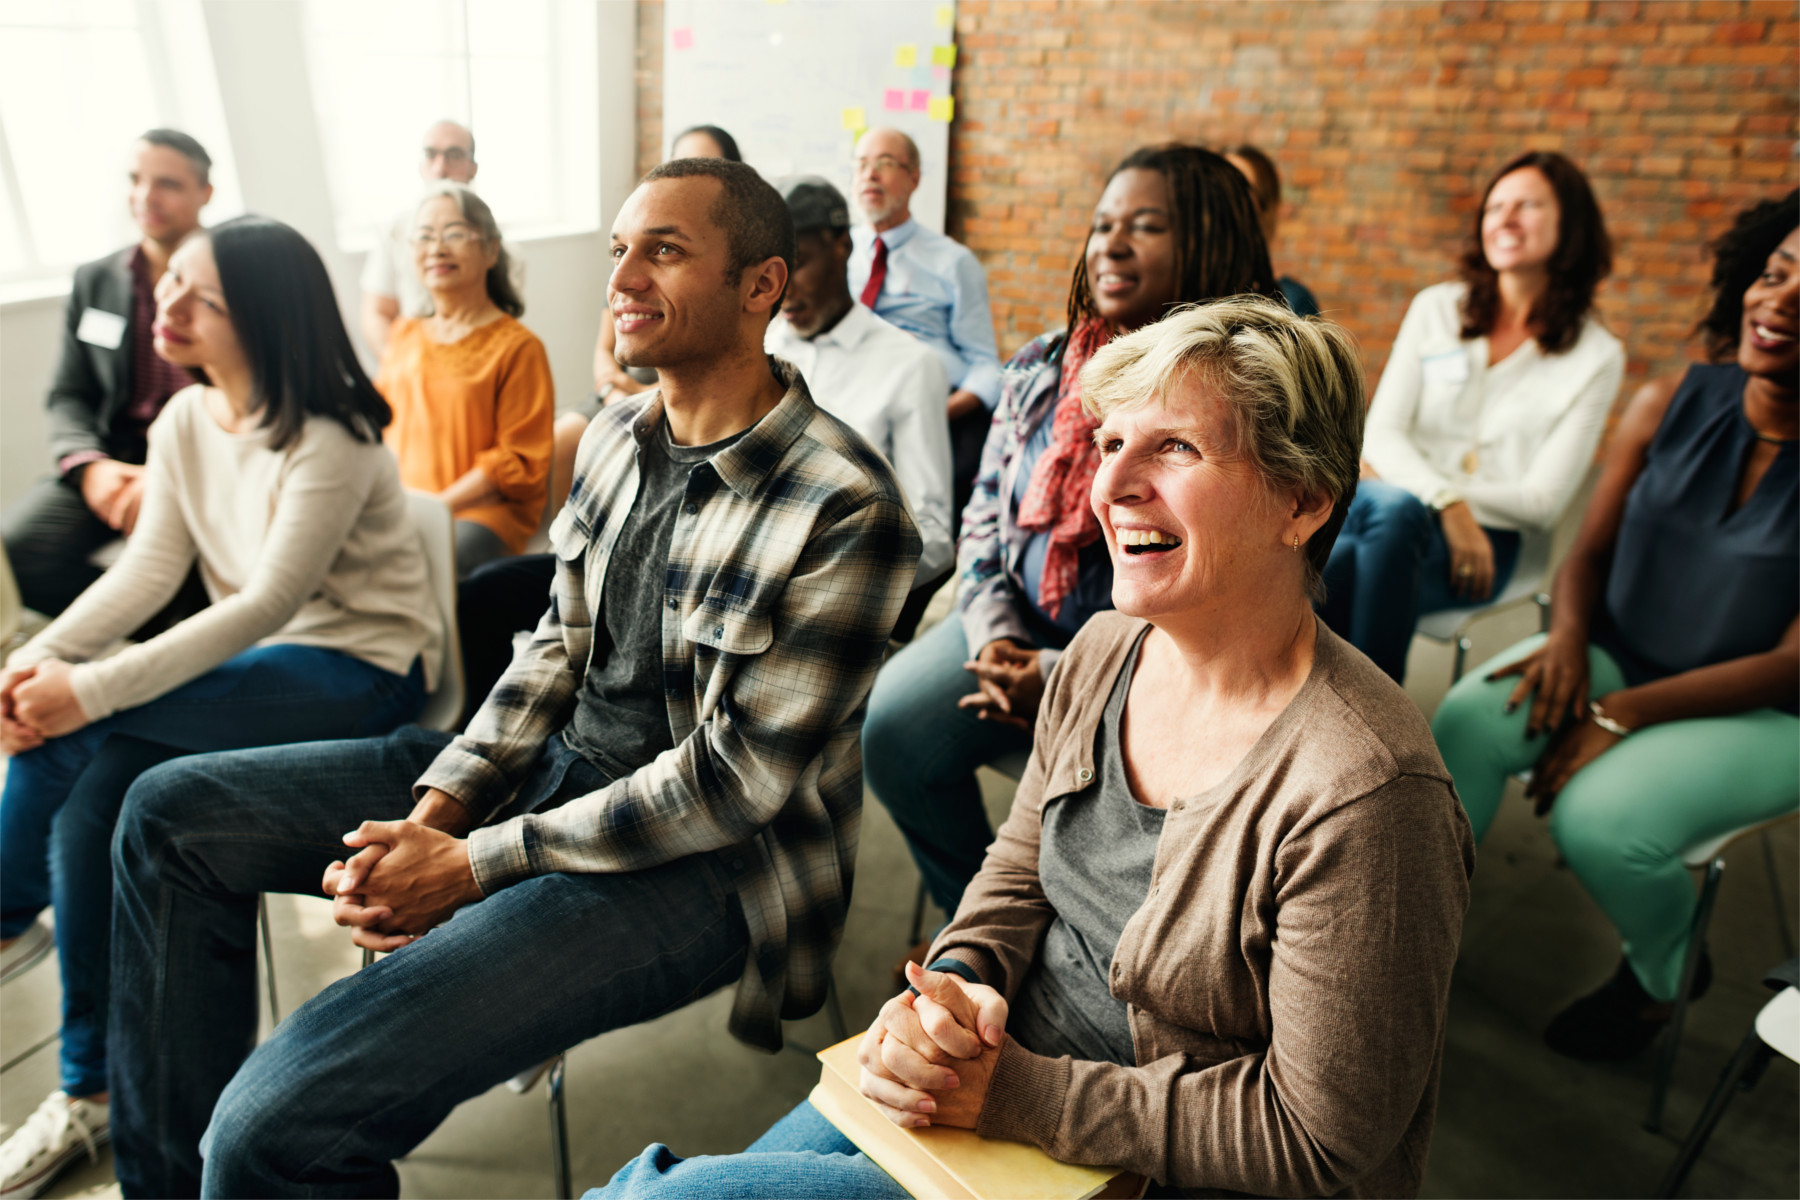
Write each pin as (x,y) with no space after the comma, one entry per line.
(450,239)
(881,162)
(450,154)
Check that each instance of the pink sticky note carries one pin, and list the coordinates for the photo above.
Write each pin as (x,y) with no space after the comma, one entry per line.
(940,72)
(684,39)
(894,100)
(921,100)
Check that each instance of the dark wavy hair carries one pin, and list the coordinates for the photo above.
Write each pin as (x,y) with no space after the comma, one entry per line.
(1739,256)
(1582,258)
(286,319)
(1213,212)
(724,141)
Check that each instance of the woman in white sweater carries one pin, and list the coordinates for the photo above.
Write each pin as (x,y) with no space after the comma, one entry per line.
(1487,416)
(274,478)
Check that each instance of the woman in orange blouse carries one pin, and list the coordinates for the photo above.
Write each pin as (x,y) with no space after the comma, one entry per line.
(470,387)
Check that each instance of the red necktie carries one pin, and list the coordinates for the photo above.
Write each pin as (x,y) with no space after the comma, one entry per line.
(877,275)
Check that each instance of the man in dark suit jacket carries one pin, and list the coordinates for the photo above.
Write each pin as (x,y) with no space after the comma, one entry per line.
(109,385)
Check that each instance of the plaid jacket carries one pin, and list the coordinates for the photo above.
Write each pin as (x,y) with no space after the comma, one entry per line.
(788,566)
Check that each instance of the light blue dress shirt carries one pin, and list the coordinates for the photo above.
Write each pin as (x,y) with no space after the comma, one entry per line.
(936,291)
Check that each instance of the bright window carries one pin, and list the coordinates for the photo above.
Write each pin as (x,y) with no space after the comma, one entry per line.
(79,80)
(520,73)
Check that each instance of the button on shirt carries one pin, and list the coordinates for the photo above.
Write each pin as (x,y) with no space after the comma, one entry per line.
(890,388)
(936,291)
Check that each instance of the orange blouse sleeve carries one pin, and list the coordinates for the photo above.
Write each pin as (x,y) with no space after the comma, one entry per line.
(519,460)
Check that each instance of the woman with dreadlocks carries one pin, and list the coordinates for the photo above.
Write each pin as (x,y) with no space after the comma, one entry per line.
(1174,225)
(1659,709)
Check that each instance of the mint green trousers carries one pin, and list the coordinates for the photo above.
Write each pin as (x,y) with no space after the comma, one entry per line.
(1624,820)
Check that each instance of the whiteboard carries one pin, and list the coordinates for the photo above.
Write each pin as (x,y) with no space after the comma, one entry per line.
(789,79)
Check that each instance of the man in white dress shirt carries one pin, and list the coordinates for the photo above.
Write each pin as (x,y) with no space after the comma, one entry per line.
(930,286)
(886,384)
(391,288)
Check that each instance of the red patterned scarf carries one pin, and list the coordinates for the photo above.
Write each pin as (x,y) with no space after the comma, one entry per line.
(1057,499)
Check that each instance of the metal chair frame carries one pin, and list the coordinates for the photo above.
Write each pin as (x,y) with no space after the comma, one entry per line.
(1709,857)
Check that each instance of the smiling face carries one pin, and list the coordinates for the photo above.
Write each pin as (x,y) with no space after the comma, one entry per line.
(450,254)
(673,294)
(165,193)
(1769,344)
(193,324)
(885,177)
(1189,523)
(1521,221)
(1131,250)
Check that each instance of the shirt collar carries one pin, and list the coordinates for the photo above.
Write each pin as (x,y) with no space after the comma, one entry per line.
(745,463)
(900,234)
(850,330)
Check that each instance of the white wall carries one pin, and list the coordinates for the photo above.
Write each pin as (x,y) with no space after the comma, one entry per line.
(275,137)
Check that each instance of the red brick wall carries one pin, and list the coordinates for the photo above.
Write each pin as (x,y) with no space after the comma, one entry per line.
(1385,119)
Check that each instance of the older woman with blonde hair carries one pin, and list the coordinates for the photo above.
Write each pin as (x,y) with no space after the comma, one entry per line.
(1213,942)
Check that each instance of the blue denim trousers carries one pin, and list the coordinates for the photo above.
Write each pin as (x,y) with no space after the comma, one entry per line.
(920,752)
(1390,565)
(802,1154)
(363,1072)
(62,799)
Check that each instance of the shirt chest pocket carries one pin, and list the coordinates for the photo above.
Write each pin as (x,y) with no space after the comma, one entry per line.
(568,589)
(1448,404)
(728,629)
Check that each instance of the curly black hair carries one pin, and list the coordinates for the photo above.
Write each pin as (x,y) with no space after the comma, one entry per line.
(1219,246)
(1582,258)
(1739,256)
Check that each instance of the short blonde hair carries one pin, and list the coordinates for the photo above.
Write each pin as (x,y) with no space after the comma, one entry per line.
(1293,387)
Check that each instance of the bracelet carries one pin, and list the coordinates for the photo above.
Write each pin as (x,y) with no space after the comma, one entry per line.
(1605,722)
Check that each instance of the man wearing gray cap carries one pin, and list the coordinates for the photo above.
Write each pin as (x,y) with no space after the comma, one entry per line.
(880,380)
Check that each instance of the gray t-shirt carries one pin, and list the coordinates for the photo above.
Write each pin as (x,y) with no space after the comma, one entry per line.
(621,719)
(1094,861)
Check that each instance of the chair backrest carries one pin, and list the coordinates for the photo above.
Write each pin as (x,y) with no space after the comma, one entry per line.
(437,538)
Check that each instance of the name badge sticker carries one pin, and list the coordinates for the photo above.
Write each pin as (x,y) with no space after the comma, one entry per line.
(101,328)
(1451,366)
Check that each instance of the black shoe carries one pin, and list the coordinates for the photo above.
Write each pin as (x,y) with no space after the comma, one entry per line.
(1618,1021)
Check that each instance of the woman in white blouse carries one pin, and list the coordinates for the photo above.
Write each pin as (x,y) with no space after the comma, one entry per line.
(1487,416)
(273,477)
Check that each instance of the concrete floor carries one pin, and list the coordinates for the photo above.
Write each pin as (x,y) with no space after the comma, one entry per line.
(1513,1119)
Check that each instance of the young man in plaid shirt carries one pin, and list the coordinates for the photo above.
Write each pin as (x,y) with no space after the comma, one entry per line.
(661,796)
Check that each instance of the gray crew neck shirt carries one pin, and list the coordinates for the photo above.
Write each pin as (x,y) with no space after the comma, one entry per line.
(621,719)
(1098,848)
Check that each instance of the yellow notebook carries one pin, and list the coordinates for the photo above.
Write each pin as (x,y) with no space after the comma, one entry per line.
(955,1164)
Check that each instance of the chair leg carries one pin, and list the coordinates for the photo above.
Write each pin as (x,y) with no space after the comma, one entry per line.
(368,957)
(559,1129)
(1744,1069)
(1665,1067)
(268,941)
(1542,600)
(1463,646)
(918,917)
(1782,923)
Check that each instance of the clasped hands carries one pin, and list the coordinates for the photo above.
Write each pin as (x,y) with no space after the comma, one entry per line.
(37,702)
(406,878)
(1555,679)
(1011,684)
(928,1059)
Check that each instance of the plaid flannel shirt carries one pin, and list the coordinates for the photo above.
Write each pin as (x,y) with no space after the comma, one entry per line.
(790,560)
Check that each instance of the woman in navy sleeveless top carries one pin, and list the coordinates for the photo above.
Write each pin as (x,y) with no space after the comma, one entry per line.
(1658,713)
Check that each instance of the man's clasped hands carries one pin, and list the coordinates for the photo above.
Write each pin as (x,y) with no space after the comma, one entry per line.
(928,1058)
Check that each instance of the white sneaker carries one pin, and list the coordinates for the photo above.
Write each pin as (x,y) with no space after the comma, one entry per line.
(57,1134)
(27,951)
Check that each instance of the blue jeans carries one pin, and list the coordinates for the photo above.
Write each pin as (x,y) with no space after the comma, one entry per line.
(802,1154)
(1389,566)
(920,752)
(62,799)
(362,1073)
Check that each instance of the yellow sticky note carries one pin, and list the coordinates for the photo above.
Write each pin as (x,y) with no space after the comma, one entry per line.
(855,120)
(946,16)
(943,108)
(943,56)
(906,55)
